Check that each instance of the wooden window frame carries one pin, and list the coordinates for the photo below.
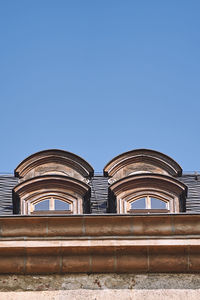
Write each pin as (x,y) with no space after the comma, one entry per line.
(51,210)
(147,208)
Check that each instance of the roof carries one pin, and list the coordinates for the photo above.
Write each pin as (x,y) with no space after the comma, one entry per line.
(99,193)
(7,183)
(192,181)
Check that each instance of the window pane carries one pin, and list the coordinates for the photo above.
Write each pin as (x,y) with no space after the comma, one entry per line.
(138,204)
(43,205)
(61,205)
(158,204)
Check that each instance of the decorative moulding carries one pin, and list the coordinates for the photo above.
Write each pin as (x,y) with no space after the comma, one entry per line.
(103,243)
(141,160)
(52,162)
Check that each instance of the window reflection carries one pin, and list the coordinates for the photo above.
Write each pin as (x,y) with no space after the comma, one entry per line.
(61,205)
(139,204)
(158,204)
(42,205)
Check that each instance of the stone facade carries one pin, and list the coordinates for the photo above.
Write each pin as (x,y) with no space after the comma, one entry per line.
(120,253)
(101,287)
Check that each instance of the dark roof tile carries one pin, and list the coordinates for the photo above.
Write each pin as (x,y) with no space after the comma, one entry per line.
(7,182)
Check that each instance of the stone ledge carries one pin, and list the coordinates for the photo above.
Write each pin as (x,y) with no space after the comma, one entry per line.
(30,249)
(100,225)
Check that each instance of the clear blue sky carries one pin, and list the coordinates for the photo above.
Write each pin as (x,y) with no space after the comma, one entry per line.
(99,78)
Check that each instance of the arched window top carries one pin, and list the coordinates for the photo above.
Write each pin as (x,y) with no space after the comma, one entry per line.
(141,161)
(54,162)
(51,205)
(148,203)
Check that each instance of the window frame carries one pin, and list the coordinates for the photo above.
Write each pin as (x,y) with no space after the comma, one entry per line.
(123,203)
(147,208)
(27,205)
(51,209)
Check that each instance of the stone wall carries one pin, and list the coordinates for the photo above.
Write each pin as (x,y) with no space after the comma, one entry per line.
(100,286)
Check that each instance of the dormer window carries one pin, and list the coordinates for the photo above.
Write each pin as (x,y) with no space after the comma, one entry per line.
(52,194)
(52,182)
(147,193)
(144,181)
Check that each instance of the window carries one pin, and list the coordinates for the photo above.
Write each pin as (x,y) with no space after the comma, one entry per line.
(51,194)
(51,206)
(53,182)
(148,203)
(147,193)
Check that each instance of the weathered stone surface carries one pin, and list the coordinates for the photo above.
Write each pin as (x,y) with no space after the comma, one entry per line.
(100,287)
(141,160)
(20,283)
(172,294)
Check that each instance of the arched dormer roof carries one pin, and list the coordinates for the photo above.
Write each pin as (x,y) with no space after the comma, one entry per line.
(50,182)
(141,161)
(54,162)
(165,183)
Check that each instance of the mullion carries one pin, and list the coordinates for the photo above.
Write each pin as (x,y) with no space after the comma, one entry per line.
(148,202)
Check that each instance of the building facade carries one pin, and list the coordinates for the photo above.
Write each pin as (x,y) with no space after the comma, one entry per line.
(68,233)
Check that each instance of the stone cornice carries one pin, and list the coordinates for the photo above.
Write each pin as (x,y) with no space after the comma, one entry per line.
(100,243)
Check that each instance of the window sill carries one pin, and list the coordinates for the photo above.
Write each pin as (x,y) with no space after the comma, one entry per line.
(148,211)
(52,212)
